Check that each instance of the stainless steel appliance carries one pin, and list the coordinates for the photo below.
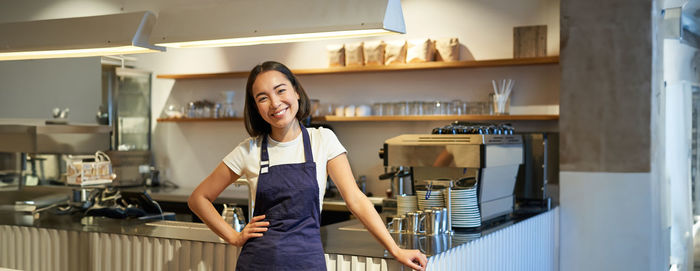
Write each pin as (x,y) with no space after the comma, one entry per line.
(537,186)
(491,159)
(24,141)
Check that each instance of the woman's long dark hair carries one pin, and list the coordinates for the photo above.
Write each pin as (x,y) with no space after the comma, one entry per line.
(254,123)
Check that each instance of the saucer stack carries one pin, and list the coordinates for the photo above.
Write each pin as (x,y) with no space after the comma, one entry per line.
(406,204)
(465,208)
(429,200)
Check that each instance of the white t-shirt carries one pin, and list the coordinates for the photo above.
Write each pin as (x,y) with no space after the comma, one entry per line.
(244,160)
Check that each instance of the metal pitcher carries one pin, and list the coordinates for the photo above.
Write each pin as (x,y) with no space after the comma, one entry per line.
(397,224)
(234,217)
(413,221)
(433,222)
(443,219)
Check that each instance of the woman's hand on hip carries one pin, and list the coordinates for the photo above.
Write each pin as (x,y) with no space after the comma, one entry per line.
(254,228)
(412,258)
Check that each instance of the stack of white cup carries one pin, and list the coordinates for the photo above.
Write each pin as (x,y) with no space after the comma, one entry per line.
(352,110)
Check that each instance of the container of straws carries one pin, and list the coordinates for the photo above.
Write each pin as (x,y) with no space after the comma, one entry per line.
(501,96)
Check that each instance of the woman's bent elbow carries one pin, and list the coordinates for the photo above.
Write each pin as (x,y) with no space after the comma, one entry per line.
(192,201)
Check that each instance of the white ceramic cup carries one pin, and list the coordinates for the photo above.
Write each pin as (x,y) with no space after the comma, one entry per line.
(340,111)
(363,110)
(349,110)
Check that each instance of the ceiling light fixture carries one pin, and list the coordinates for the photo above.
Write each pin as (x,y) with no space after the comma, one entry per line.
(114,34)
(276,21)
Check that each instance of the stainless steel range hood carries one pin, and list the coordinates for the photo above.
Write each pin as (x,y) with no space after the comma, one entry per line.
(37,137)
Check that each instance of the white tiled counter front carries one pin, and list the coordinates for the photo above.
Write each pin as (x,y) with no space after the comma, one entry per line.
(529,244)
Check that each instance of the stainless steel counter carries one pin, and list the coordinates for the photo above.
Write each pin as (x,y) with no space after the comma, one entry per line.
(76,222)
(236,196)
(71,243)
(351,238)
(229,195)
(346,238)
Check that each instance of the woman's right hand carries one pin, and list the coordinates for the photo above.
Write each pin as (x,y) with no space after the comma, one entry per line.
(253,229)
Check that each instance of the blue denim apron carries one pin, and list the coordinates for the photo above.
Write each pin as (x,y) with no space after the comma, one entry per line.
(288,196)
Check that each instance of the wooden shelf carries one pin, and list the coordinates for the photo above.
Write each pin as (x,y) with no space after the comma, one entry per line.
(395,118)
(438,118)
(397,67)
(197,119)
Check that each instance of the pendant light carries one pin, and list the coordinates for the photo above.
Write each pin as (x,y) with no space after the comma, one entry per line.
(114,34)
(276,21)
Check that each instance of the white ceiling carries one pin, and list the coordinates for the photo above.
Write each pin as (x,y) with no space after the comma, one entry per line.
(14,11)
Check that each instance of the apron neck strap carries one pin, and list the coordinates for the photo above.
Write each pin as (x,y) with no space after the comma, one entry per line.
(265,158)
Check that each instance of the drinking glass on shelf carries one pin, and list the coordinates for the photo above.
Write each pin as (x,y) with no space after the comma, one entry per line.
(440,108)
(416,108)
(216,112)
(190,113)
(387,109)
(447,108)
(315,108)
(487,108)
(457,108)
(429,108)
(501,105)
(401,108)
(174,111)
(377,109)
(227,111)
(396,109)
(199,112)
(327,110)
(474,108)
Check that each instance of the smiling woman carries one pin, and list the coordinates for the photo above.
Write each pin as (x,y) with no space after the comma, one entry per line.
(287,165)
(274,98)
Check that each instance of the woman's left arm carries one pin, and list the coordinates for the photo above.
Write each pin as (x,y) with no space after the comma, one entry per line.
(360,206)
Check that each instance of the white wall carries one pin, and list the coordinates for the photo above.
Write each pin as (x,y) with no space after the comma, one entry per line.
(187,152)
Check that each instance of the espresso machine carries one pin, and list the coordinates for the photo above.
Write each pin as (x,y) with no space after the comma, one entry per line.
(490,155)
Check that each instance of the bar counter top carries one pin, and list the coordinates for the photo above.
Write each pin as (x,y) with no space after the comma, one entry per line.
(522,239)
(236,195)
(345,238)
